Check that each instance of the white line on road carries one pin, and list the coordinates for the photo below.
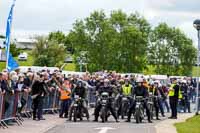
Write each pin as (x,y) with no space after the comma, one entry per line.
(104,129)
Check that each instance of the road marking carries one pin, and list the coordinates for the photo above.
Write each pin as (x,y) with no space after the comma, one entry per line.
(104,129)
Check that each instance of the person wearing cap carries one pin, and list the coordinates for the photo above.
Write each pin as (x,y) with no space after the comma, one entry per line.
(139,90)
(173,98)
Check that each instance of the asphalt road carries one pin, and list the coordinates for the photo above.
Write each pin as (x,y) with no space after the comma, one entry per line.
(110,127)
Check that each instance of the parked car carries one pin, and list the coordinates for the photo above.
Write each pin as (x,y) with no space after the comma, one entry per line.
(23,57)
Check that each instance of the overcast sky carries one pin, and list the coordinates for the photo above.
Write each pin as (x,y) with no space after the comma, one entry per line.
(42,16)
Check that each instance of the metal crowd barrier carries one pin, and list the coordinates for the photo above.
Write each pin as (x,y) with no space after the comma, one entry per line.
(51,102)
(27,110)
(2,124)
(8,110)
(14,107)
(91,96)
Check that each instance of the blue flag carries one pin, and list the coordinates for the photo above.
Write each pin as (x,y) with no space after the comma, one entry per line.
(11,64)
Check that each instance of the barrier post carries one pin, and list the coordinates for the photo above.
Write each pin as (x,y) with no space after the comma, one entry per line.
(4,125)
(54,102)
(24,109)
(1,111)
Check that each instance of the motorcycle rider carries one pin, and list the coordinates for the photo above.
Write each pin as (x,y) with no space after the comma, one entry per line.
(80,90)
(105,88)
(156,92)
(126,91)
(126,88)
(185,93)
(139,90)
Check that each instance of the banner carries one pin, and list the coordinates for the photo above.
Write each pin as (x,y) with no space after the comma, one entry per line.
(11,64)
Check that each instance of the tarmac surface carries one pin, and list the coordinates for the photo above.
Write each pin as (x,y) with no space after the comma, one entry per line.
(109,127)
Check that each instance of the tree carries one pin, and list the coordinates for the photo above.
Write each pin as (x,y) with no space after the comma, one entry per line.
(48,52)
(14,50)
(61,38)
(126,43)
(57,36)
(69,44)
(168,49)
(117,42)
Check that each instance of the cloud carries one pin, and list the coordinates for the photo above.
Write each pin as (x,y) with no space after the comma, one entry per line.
(175,5)
(50,15)
(43,16)
(189,30)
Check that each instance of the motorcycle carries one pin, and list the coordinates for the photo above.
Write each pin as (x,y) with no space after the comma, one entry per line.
(139,110)
(77,108)
(124,106)
(104,100)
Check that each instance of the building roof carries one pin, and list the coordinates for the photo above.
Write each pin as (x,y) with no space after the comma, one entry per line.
(25,40)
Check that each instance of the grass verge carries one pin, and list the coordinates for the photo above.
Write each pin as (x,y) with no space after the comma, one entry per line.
(191,125)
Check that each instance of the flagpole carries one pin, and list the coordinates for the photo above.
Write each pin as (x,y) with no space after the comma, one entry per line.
(10,27)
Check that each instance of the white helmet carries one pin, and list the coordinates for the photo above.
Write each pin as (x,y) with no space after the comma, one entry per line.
(151,83)
(184,81)
(139,80)
(156,82)
(106,81)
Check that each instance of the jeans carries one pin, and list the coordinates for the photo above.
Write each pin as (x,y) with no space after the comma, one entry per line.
(187,105)
(161,106)
(165,105)
(64,107)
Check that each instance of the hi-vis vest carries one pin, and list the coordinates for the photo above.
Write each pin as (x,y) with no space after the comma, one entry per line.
(65,94)
(126,90)
(150,90)
(171,92)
